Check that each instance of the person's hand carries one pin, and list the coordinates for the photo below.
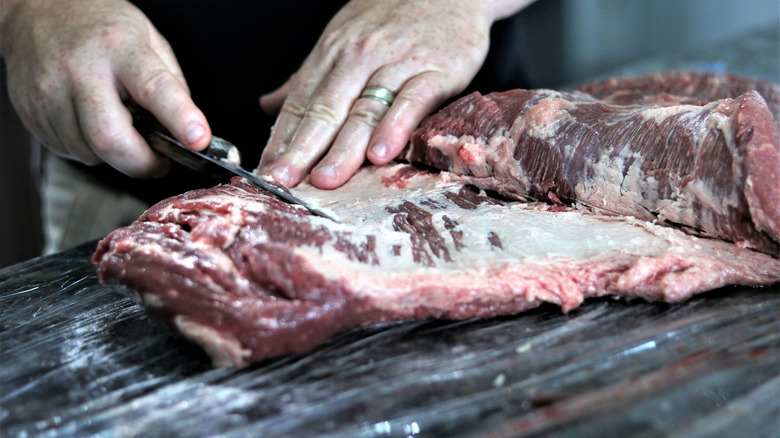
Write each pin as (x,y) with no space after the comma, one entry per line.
(70,66)
(422,51)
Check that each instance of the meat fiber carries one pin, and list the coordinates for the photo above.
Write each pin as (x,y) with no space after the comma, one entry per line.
(644,150)
(680,87)
(249,277)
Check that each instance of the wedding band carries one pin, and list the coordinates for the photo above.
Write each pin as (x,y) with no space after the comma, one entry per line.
(382,95)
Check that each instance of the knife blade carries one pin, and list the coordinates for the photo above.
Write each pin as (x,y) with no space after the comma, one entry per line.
(213,160)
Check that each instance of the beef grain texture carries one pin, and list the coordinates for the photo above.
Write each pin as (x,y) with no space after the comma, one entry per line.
(669,87)
(656,147)
(249,277)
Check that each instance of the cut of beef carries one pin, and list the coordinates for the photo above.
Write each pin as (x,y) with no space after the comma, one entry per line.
(249,277)
(712,168)
(675,87)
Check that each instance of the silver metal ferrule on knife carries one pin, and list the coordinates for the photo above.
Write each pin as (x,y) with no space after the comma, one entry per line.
(215,159)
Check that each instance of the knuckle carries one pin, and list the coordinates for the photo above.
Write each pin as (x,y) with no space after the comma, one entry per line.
(153,84)
(328,41)
(103,140)
(72,67)
(331,43)
(294,109)
(322,112)
(113,36)
(369,43)
(45,87)
(48,82)
(341,44)
(416,97)
(366,116)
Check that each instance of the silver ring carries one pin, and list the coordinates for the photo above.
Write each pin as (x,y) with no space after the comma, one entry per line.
(382,95)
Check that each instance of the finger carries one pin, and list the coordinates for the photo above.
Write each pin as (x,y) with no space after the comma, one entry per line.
(107,127)
(419,97)
(313,92)
(62,135)
(50,116)
(158,89)
(282,132)
(63,124)
(68,132)
(317,128)
(349,149)
(271,103)
(300,88)
(163,49)
(59,131)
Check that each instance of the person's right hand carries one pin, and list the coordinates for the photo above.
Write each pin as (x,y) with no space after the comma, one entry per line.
(72,63)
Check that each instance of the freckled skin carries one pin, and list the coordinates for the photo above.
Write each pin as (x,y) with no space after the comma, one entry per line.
(71,64)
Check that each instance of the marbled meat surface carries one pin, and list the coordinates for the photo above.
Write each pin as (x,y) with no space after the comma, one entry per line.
(699,151)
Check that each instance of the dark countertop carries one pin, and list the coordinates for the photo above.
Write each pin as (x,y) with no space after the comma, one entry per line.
(80,359)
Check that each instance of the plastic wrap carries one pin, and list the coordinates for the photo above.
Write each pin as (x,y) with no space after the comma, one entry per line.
(80,359)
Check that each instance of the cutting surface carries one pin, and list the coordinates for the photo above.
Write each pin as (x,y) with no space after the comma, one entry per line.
(78,358)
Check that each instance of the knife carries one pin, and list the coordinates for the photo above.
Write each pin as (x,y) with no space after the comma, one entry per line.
(221,158)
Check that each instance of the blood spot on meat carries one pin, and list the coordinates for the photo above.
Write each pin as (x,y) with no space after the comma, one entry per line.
(470,152)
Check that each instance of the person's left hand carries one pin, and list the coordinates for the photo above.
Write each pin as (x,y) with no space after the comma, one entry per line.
(423,51)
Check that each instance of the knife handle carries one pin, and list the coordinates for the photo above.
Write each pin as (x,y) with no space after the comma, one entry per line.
(159,138)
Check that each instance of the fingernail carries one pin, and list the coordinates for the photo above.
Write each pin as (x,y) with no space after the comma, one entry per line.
(327,170)
(194,133)
(379,150)
(281,174)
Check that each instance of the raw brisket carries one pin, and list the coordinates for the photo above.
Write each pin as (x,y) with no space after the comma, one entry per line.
(710,167)
(249,277)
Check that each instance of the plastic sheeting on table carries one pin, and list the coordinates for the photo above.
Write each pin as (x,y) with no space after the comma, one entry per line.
(80,359)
